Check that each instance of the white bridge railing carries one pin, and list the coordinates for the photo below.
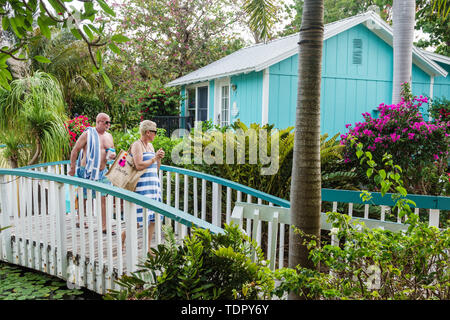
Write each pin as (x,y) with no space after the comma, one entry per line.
(41,208)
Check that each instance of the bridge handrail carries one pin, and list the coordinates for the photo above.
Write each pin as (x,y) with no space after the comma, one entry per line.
(141,200)
(329,195)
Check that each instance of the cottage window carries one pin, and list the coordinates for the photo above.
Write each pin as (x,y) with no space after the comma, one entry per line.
(225,106)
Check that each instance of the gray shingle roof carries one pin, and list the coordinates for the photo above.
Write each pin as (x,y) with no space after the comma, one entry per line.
(259,56)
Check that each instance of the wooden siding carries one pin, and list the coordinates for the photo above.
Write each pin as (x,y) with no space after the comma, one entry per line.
(248,97)
(421,86)
(441,86)
(283,83)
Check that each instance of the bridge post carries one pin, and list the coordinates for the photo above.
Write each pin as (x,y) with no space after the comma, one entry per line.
(131,238)
(61,250)
(5,208)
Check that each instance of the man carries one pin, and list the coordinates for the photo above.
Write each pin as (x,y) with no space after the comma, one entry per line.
(89,155)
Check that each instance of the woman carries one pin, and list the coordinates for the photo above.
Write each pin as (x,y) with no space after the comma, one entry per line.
(144,156)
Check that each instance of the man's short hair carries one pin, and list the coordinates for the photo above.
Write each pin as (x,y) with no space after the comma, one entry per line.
(147,125)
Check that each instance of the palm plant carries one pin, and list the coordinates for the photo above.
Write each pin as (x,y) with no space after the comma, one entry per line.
(261,18)
(35,105)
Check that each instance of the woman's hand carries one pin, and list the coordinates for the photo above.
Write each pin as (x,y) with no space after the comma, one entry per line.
(160,154)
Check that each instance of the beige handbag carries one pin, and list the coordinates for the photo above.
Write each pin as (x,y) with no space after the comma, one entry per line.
(123,173)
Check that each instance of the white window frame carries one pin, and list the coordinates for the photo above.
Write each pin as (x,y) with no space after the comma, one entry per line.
(219,83)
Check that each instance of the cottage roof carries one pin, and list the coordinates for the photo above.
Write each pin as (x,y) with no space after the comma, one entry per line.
(260,56)
(436,57)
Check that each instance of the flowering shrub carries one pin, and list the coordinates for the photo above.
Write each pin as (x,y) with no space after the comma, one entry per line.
(440,109)
(159,102)
(75,127)
(419,147)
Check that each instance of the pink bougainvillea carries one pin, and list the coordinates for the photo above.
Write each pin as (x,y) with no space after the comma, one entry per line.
(401,131)
(76,127)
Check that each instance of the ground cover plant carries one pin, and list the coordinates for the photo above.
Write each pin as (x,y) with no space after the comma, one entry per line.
(17,283)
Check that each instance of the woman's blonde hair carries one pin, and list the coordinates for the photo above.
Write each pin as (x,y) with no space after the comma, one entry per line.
(147,125)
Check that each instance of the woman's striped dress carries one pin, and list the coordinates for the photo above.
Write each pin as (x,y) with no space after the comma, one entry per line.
(149,186)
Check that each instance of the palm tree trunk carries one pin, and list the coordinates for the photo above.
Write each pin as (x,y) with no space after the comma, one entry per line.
(403,20)
(306,175)
(37,153)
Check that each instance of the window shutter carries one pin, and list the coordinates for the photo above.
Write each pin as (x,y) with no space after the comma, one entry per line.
(357,51)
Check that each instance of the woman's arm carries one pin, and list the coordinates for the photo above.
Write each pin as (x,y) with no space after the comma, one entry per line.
(138,155)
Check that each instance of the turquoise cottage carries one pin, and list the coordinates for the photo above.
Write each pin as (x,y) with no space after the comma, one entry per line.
(258,84)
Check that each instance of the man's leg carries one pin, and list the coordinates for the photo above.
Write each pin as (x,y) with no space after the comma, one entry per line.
(103,214)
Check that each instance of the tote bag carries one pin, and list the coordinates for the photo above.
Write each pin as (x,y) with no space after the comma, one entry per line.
(123,173)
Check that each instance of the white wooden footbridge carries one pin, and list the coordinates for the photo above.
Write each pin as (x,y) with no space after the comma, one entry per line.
(39,203)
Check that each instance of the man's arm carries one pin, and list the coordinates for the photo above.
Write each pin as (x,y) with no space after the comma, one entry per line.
(81,142)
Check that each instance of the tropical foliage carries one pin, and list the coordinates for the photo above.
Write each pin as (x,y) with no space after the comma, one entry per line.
(20,17)
(375,263)
(21,284)
(205,267)
(440,110)
(261,156)
(42,129)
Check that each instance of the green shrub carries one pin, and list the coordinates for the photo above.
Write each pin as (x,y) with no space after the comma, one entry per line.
(375,264)
(249,172)
(205,266)
(88,105)
(123,141)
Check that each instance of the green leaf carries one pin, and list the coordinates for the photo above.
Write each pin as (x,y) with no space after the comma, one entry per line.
(5,23)
(401,190)
(114,48)
(382,173)
(44,28)
(3,82)
(369,172)
(119,38)
(76,34)
(15,28)
(359,153)
(106,8)
(88,32)
(42,59)
(106,79)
